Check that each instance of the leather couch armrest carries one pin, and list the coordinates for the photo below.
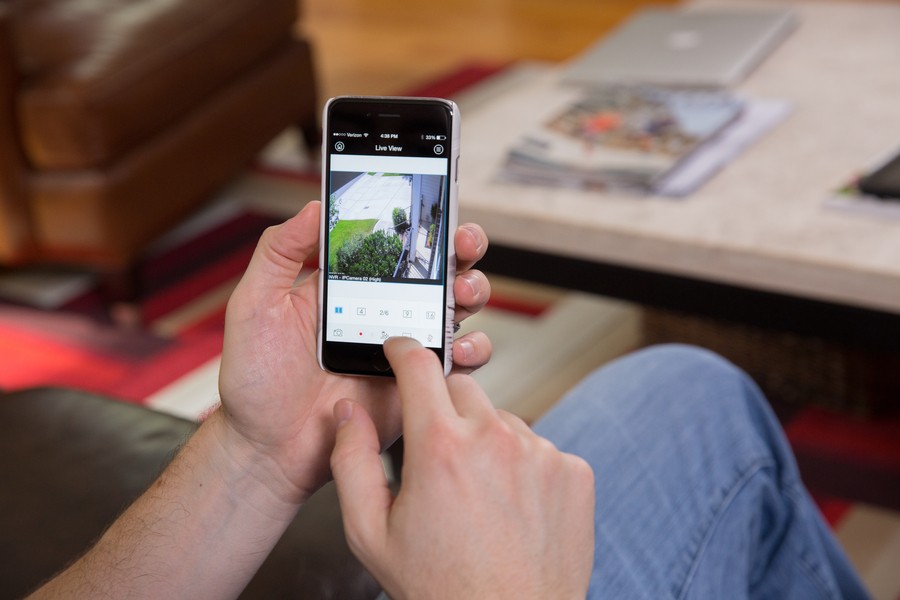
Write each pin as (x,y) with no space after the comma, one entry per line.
(15,229)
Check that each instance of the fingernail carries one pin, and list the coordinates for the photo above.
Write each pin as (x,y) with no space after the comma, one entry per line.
(476,237)
(343,411)
(466,348)
(469,279)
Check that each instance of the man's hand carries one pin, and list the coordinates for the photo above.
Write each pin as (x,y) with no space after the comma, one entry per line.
(277,402)
(486,509)
(205,526)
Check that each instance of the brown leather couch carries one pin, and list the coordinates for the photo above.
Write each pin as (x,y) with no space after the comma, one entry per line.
(117,119)
(70,462)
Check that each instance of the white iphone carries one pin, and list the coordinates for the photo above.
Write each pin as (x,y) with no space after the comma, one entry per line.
(389,214)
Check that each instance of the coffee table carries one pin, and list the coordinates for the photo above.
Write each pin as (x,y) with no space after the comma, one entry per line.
(756,243)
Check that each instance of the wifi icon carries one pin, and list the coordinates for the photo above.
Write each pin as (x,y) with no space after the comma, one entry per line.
(365,135)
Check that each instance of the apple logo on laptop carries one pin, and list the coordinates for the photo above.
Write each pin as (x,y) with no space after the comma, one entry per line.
(683,39)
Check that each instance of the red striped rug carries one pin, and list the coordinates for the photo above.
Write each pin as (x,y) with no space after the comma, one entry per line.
(78,346)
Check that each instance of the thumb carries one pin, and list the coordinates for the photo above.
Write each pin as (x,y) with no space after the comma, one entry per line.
(283,249)
(362,486)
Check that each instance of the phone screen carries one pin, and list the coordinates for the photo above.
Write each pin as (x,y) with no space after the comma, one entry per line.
(389,211)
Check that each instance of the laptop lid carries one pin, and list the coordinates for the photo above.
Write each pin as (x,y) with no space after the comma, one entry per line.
(710,47)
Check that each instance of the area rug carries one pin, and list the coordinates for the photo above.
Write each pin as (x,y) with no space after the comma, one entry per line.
(78,345)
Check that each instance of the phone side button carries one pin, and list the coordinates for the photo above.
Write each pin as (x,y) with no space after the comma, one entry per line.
(456,179)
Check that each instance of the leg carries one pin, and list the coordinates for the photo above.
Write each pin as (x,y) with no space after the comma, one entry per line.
(698,494)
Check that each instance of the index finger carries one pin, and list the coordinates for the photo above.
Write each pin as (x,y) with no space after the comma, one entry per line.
(420,383)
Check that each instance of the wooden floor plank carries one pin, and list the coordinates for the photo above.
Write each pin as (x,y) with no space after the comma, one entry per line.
(387,46)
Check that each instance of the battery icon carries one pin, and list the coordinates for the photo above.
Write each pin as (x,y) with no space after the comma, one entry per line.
(440,137)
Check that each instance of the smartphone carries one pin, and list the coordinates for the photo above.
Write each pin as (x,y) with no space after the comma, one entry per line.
(389,213)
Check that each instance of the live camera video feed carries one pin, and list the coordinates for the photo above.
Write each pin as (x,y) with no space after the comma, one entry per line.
(386,227)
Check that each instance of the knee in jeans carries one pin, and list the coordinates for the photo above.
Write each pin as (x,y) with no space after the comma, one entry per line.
(666,390)
(680,358)
(687,357)
(681,374)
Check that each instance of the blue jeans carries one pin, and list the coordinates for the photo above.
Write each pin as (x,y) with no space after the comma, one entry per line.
(698,494)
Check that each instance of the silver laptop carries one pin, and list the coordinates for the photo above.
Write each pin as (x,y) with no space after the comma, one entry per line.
(709,47)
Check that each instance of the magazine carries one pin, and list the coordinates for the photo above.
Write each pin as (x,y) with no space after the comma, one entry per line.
(620,137)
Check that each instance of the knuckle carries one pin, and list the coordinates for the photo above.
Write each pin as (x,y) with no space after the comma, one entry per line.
(442,436)
(506,441)
(269,235)
(462,384)
(343,456)
(357,538)
(457,381)
(546,447)
(580,470)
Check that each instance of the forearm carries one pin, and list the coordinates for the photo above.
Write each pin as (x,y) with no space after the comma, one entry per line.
(200,531)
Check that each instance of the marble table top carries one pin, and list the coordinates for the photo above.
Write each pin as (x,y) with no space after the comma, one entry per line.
(762,222)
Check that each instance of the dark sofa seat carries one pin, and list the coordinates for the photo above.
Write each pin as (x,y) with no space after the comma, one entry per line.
(70,462)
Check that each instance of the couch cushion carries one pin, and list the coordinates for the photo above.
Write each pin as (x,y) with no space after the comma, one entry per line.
(70,462)
(101,75)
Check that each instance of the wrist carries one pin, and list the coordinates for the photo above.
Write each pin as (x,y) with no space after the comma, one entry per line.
(250,472)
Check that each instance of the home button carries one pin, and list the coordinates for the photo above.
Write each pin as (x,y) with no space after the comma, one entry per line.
(380,362)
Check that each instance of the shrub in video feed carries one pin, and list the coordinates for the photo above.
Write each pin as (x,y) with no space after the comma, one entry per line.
(401,221)
(373,255)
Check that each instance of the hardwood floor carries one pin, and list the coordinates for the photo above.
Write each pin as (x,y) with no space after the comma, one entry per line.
(388,46)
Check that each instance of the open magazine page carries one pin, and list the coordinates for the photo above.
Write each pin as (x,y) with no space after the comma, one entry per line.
(620,136)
